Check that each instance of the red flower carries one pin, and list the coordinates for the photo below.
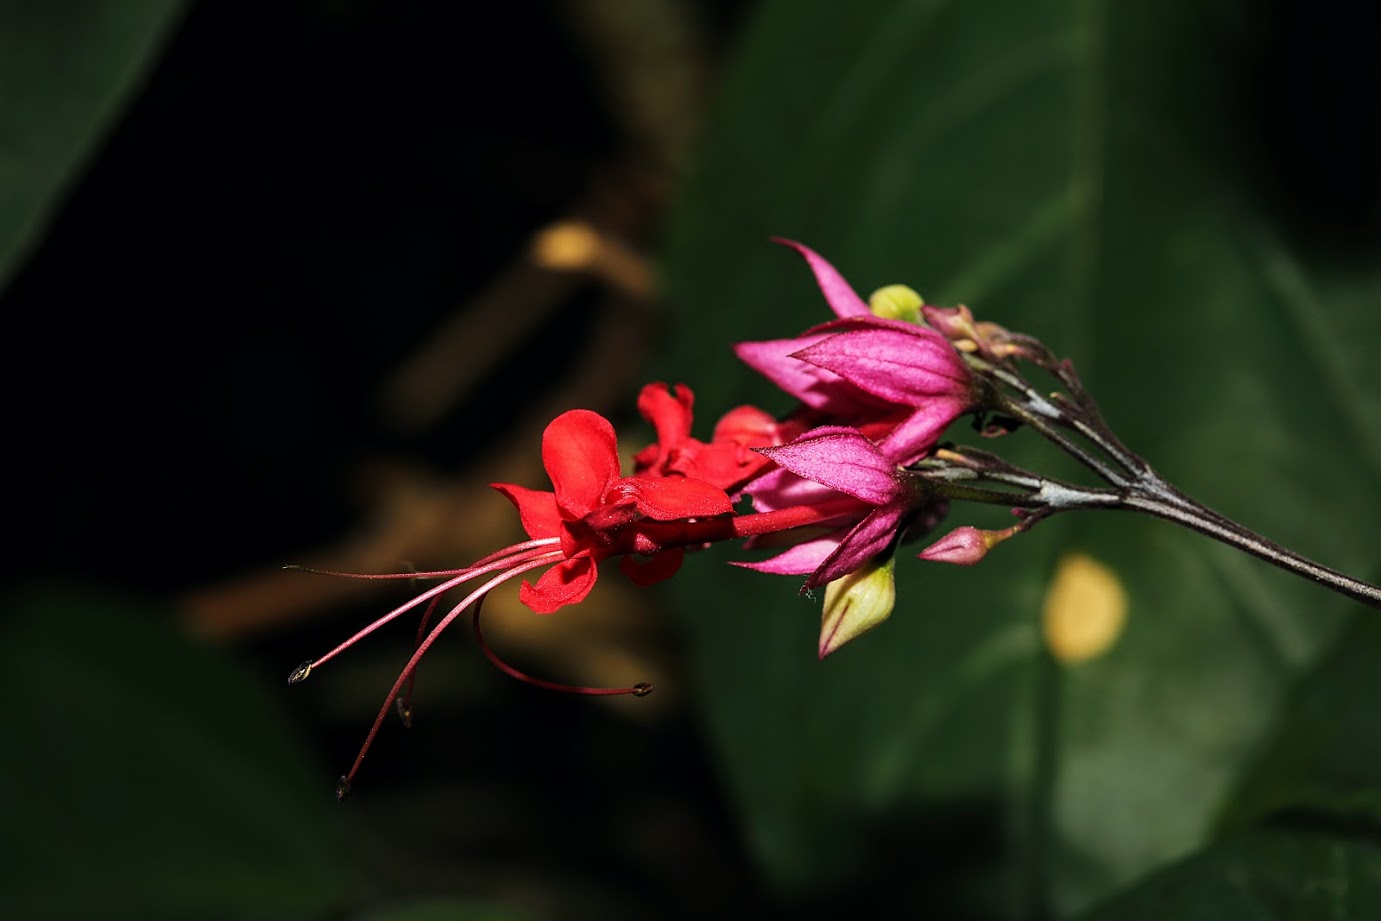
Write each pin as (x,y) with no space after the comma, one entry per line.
(590,502)
(727,461)
(593,513)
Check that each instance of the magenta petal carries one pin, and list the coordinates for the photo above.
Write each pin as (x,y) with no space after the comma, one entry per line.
(845,324)
(868,538)
(842,459)
(916,435)
(842,298)
(798,560)
(781,488)
(900,367)
(812,385)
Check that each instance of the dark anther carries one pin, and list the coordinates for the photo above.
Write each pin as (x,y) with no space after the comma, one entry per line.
(300,673)
(404,711)
(642,689)
(342,788)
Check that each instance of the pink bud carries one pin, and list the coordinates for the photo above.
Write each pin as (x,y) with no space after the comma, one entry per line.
(951,322)
(965,546)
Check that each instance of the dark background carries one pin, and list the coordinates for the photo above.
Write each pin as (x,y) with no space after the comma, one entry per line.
(199,352)
(294,202)
(301,194)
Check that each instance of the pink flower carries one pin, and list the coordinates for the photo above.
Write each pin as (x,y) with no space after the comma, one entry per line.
(862,370)
(841,297)
(842,461)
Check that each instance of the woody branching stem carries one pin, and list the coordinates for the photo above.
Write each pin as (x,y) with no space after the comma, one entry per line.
(1071,420)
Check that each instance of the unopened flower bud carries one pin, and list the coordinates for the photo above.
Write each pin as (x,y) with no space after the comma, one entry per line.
(996,339)
(955,324)
(896,302)
(966,545)
(856,603)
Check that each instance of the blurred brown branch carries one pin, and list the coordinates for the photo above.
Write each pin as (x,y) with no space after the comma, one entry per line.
(416,518)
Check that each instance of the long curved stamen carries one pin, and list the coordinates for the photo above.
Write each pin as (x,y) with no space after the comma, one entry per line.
(536,562)
(435,574)
(405,702)
(517,549)
(491,563)
(641,689)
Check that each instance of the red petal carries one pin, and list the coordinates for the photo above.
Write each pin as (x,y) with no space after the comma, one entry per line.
(748,426)
(580,453)
(672,498)
(568,582)
(670,415)
(722,464)
(537,509)
(648,461)
(656,568)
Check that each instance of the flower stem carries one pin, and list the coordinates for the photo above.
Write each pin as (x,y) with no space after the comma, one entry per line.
(1174,506)
(957,475)
(1135,485)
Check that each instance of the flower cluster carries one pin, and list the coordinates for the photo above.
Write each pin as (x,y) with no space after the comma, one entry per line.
(876,388)
(833,481)
(856,468)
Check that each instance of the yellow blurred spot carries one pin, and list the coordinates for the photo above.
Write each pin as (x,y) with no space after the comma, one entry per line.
(575,246)
(1085,609)
(567,245)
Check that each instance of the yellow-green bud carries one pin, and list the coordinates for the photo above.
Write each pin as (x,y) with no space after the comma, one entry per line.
(856,603)
(896,302)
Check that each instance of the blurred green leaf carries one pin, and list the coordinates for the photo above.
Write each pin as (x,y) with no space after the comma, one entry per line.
(1279,876)
(1323,763)
(159,780)
(66,72)
(444,910)
(1074,171)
